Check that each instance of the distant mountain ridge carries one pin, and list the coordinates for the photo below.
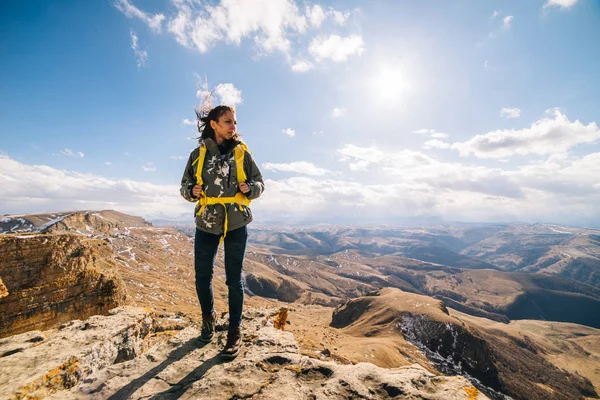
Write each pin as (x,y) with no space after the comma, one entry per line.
(565,251)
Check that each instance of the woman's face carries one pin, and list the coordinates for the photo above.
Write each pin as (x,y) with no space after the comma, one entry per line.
(225,127)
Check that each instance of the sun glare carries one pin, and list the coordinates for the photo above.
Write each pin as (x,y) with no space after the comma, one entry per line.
(390,85)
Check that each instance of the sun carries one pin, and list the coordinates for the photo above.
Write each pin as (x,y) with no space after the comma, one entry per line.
(391,84)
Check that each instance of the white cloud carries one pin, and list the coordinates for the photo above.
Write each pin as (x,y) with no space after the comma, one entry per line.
(289,131)
(424,131)
(40,188)
(456,189)
(300,167)
(369,154)
(69,153)
(178,157)
(450,191)
(315,15)
(302,66)
(188,122)
(510,113)
(225,93)
(338,112)
(130,11)
(340,17)
(229,94)
(507,21)
(149,167)
(141,56)
(560,3)
(546,136)
(432,133)
(413,167)
(179,26)
(360,157)
(495,14)
(413,184)
(272,25)
(267,22)
(561,174)
(402,184)
(108,163)
(335,47)
(435,143)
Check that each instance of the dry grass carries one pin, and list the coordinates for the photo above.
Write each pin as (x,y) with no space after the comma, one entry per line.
(310,326)
(572,347)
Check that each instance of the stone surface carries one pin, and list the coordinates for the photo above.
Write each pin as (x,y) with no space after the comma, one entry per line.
(3,289)
(53,278)
(269,366)
(36,364)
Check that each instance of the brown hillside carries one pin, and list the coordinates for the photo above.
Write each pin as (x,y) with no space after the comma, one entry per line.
(55,278)
(155,264)
(455,346)
(571,347)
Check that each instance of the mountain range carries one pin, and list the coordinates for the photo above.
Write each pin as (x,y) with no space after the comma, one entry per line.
(515,308)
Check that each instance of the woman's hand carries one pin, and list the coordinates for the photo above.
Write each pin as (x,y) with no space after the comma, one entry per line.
(244,188)
(196,191)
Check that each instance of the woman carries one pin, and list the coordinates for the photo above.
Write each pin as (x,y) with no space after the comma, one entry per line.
(222,178)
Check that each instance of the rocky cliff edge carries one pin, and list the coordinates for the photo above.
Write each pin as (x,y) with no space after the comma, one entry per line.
(133,353)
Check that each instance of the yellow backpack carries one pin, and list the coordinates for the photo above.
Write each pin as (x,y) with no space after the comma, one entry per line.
(240,199)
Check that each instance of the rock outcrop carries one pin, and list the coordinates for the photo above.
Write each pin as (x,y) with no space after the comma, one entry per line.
(99,223)
(55,278)
(112,364)
(497,364)
(84,222)
(36,364)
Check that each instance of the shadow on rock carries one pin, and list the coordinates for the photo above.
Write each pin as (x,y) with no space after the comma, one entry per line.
(184,384)
(176,355)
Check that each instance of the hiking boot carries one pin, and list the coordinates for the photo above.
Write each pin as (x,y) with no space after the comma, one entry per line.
(208,327)
(234,342)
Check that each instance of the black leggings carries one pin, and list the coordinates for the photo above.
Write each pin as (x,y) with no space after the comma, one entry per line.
(205,252)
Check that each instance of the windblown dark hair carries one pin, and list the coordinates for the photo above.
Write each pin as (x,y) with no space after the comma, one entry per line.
(205,116)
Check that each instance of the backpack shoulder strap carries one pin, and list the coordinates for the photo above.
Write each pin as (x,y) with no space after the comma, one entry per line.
(239,153)
(200,161)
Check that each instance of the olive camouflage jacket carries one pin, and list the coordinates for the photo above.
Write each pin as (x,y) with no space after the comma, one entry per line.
(219,179)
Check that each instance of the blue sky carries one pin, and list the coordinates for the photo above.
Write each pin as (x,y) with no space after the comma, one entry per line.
(356,111)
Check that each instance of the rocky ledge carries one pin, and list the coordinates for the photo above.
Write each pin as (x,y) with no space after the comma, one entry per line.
(126,355)
(36,364)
